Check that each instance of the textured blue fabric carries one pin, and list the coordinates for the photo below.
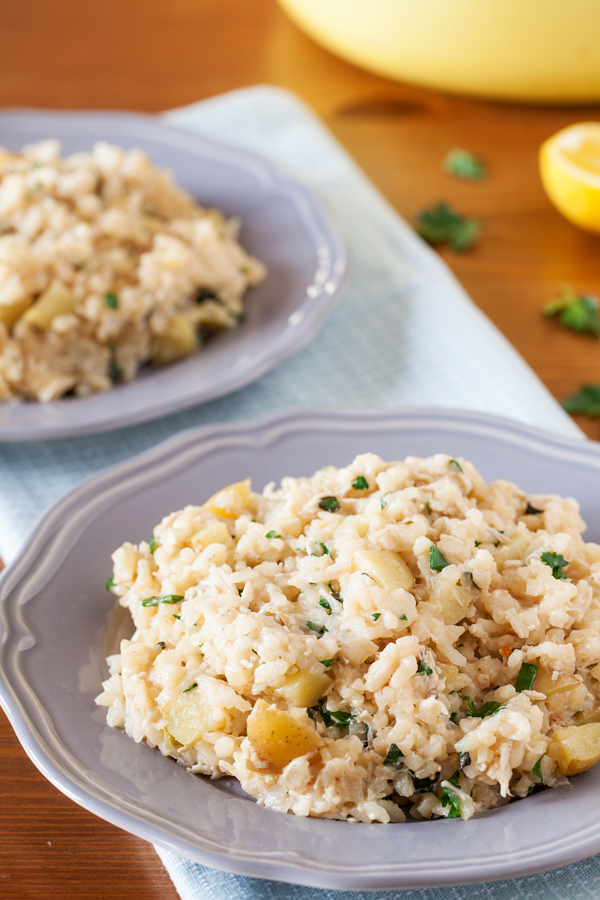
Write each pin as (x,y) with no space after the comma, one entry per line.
(404,333)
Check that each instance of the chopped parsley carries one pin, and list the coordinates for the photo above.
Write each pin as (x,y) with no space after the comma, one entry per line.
(526,677)
(272,534)
(442,225)
(375,616)
(464,759)
(425,785)
(383,501)
(487,709)
(323,547)
(361,484)
(152,544)
(537,769)
(319,629)
(428,507)
(324,603)
(327,662)
(191,687)
(575,311)
(330,504)
(175,616)
(111,300)
(337,719)
(394,757)
(455,465)
(110,583)
(335,594)
(556,563)
(437,560)
(404,617)
(449,798)
(170,598)
(465,165)
(532,510)
(585,401)
(468,576)
(423,668)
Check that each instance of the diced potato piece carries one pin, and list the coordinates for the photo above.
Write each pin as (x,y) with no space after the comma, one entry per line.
(9,313)
(579,747)
(513,549)
(230,501)
(548,686)
(57,300)
(190,715)
(304,688)
(214,533)
(585,720)
(170,741)
(179,339)
(386,567)
(449,674)
(453,599)
(278,737)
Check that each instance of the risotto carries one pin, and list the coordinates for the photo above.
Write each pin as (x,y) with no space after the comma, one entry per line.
(375,641)
(105,265)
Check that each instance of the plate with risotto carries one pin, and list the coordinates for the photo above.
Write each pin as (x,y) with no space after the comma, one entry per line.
(144,269)
(289,648)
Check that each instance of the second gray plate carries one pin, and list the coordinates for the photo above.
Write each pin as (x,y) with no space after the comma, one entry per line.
(54,637)
(283,223)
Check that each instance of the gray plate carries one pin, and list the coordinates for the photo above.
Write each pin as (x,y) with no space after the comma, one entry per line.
(54,635)
(284,224)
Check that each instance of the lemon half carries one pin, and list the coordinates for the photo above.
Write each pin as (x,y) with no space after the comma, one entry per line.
(570,170)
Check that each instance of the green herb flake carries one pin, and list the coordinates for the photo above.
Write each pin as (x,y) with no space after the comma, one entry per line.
(324,548)
(526,677)
(169,598)
(361,484)
(455,465)
(319,629)
(532,510)
(437,560)
(110,583)
(403,617)
(324,603)
(585,401)
(342,719)
(376,616)
(449,798)
(428,508)
(152,544)
(468,576)
(464,759)
(175,616)
(557,562)
(383,501)
(442,225)
(327,662)
(423,668)
(537,769)
(394,757)
(111,300)
(272,534)
(114,369)
(191,687)
(465,165)
(335,594)
(161,645)
(578,312)
(455,779)
(330,504)
(487,709)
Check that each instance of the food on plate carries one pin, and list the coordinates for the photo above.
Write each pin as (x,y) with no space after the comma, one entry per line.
(383,639)
(106,265)
(570,171)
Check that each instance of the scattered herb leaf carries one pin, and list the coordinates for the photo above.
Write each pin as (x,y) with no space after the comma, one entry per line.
(404,617)
(526,677)
(585,401)
(169,598)
(327,662)
(330,504)
(487,709)
(449,798)
(532,510)
(394,757)
(455,465)
(323,547)
(537,769)
(191,687)
(468,576)
(152,544)
(111,300)
(383,501)
(324,603)
(557,562)
(318,629)
(428,507)
(423,668)
(161,645)
(175,616)
(465,165)
(455,780)
(331,719)
(335,594)
(425,785)
(437,560)
(110,583)
(272,534)
(464,759)
(575,311)
(361,484)
(442,225)
(376,616)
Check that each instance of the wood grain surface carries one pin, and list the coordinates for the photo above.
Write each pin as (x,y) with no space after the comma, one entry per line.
(157,54)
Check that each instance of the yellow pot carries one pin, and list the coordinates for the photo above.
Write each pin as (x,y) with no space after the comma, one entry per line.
(527,50)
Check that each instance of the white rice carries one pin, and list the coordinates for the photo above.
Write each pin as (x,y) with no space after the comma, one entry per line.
(386,685)
(105,265)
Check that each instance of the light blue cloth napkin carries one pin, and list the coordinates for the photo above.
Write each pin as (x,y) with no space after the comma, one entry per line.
(403,334)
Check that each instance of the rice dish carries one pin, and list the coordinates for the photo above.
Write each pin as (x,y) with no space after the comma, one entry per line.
(383,640)
(105,265)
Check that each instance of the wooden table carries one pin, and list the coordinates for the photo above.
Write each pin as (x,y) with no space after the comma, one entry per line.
(154,54)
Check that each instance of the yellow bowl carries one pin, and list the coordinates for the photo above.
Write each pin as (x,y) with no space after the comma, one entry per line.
(526,50)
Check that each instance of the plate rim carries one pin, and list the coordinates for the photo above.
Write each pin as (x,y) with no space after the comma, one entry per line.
(309,315)
(276,865)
